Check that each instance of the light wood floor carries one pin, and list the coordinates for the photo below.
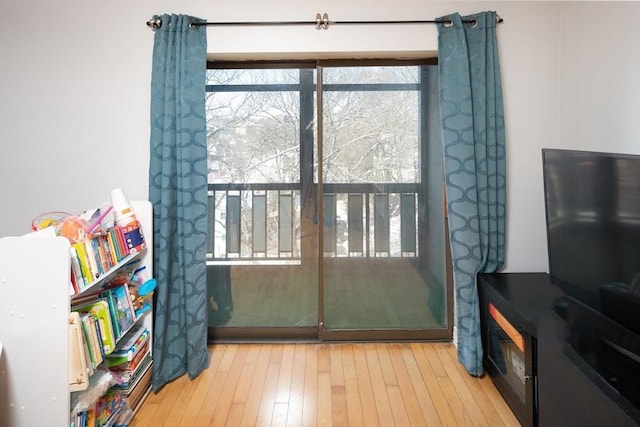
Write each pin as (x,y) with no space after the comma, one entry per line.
(350,384)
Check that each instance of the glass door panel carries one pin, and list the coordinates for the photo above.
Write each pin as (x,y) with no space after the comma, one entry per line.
(379,279)
(261,262)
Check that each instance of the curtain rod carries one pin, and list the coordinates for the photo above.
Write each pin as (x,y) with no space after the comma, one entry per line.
(322,22)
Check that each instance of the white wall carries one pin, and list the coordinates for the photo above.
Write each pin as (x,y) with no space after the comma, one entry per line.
(75,78)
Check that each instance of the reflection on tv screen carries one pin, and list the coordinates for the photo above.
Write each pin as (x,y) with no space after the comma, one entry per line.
(592,205)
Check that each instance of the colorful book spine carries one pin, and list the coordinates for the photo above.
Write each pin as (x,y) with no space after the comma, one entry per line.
(113,244)
(91,259)
(108,296)
(77,270)
(122,242)
(89,340)
(100,309)
(130,340)
(128,353)
(84,262)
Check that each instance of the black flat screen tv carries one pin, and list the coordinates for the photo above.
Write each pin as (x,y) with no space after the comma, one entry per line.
(592,203)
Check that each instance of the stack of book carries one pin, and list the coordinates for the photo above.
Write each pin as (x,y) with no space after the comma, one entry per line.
(106,316)
(93,258)
(131,365)
(103,412)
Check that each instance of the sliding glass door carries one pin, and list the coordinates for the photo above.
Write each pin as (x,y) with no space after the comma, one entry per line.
(328,229)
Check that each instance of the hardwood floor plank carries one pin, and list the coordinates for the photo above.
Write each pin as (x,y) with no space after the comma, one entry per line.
(210,401)
(228,357)
(352,391)
(234,418)
(382,405)
(326,385)
(429,412)
(396,400)
(280,410)
(221,411)
(296,391)
(436,366)
(183,401)
(324,358)
(431,382)
(170,399)
(508,417)
(256,388)
(310,393)
(385,365)
(145,414)
(462,387)
(337,373)
(367,400)
(286,370)
(202,384)
(453,400)
(484,400)
(246,375)
(324,399)
(339,415)
(268,398)
(414,411)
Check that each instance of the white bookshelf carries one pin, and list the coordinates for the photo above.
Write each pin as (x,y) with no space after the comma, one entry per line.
(34,331)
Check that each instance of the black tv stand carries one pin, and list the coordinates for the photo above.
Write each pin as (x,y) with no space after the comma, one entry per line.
(568,391)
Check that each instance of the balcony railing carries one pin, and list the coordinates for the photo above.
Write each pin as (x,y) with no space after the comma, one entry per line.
(262,223)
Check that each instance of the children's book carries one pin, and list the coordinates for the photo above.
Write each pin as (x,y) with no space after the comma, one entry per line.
(119,358)
(89,340)
(84,263)
(113,311)
(125,314)
(78,374)
(100,309)
(76,270)
(133,364)
(130,341)
(127,379)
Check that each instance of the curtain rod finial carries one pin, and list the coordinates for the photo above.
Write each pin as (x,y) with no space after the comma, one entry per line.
(154,23)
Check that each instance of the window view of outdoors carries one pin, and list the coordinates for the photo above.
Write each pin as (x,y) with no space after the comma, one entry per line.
(371,136)
(254,130)
(371,125)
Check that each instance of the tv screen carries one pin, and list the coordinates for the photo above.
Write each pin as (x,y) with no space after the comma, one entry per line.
(592,202)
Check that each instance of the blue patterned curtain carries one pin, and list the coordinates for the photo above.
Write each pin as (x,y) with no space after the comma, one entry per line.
(474,162)
(178,192)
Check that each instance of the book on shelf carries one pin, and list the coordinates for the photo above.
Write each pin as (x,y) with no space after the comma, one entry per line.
(133,397)
(80,253)
(103,412)
(129,345)
(110,298)
(94,257)
(76,271)
(131,365)
(100,309)
(126,364)
(92,339)
(127,378)
(78,372)
(134,384)
(125,314)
